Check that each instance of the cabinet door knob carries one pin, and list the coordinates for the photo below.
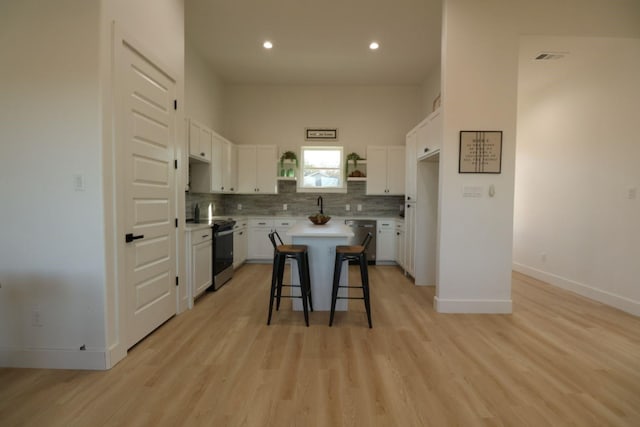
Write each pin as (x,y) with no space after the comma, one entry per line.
(202,154)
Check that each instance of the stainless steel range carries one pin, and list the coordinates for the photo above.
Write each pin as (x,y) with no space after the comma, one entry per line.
(222,252)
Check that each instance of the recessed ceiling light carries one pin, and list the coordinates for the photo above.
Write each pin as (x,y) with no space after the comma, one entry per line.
(267,44)
(374,46)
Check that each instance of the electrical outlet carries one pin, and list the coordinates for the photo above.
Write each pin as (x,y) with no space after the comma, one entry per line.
(543,256)
(359,207)
(284,206)
(239,206)
(632,193)
(347,207)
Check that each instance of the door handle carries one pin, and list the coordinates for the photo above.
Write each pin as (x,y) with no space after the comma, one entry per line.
(129,237)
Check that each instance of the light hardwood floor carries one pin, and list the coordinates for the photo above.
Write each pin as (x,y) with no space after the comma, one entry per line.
(559,359)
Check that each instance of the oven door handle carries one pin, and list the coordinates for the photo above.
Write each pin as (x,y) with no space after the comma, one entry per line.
(223,233)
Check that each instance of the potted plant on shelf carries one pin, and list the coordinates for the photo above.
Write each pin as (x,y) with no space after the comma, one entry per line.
(287,155)
(353,157)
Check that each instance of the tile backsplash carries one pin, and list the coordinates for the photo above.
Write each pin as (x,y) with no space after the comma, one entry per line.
(298,204)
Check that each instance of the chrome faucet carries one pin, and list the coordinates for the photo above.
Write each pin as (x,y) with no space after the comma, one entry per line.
(319,203)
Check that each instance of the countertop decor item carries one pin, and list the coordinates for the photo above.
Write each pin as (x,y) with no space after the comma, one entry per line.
(319,219)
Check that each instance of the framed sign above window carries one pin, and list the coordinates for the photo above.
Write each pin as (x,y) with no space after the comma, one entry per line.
(321,134)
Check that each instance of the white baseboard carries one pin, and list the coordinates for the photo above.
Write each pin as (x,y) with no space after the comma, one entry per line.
(479,306)
(52,359)
(622,303)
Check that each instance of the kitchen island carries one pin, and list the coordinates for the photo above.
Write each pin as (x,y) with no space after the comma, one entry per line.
(321,241)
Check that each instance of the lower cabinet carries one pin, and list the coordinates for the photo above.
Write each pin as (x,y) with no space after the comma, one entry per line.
(240,243)
(282,226)
(409,241)
(386,242)
(260,248)
(200,263)
(400,244)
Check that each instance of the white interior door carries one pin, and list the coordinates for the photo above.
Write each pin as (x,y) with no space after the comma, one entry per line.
(148,149)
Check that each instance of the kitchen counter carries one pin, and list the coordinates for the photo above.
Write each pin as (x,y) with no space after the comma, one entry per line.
(330,229)
(321,241)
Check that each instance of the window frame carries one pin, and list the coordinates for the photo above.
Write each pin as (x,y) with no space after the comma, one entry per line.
(341,188)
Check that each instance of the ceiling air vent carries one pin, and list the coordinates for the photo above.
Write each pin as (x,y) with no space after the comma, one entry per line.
(547,56)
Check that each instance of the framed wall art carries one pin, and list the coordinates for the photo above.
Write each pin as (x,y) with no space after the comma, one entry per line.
(321,134)
(480,151)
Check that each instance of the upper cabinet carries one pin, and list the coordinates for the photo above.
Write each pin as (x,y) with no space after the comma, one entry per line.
(218,175)
(410,171)
(429,135)
(223,166)
(385,165)
(257,169)
(200,141)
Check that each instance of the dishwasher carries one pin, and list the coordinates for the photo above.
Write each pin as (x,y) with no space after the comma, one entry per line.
(360,228)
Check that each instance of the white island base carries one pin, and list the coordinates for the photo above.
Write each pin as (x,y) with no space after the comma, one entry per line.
(321,241)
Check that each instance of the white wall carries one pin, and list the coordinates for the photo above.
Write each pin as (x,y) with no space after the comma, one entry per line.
(204,91)
(479,72)
(51,239)
(577,158)
(158,28)
(364,115)
(57,260)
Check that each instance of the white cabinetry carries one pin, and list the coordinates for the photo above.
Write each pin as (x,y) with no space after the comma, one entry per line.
(410,166)
(260,247)
(410,237)
(256,169)
(385,167)
(282,226)
(219,176)
(400,244)
(386,242)
(429,136)
(200,140)
(240,242)
(421,200)
(199,260)
(230,167)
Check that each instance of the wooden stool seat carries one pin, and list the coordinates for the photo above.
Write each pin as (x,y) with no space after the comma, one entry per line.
(351,250)
(281,253)
(292,249)
(352,253)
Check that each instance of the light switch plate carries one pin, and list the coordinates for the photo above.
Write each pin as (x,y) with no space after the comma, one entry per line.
(78,182)
(472,191)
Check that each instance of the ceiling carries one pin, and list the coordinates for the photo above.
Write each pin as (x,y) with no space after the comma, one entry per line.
(317,42)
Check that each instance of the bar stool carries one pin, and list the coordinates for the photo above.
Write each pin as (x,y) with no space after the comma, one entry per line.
(281,253)
(352,253)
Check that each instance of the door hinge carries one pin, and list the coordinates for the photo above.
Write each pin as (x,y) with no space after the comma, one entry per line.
(176,222)
(175,104)
(177,281)
(175,164)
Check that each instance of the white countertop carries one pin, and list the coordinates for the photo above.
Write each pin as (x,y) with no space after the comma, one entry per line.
(192,226)
(330,229)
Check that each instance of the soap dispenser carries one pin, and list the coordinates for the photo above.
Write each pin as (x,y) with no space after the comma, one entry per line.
(196,214)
